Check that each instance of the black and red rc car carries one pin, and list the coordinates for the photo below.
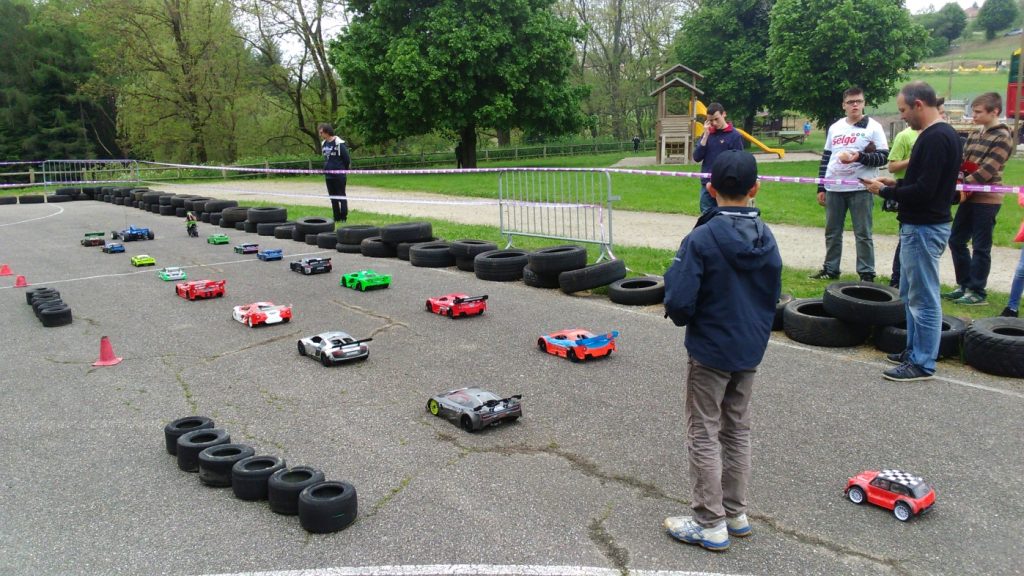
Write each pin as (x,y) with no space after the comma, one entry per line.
(457,304)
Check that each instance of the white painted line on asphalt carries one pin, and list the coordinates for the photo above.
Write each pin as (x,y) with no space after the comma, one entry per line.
(468,570)
(60,209)
(880,365)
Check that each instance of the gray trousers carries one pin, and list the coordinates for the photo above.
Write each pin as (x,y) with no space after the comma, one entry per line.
(859,203)
(718,441)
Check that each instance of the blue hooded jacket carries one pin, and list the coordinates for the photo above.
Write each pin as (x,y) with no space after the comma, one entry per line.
(723,285)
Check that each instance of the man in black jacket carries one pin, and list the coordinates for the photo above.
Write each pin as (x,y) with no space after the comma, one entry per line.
(335,158)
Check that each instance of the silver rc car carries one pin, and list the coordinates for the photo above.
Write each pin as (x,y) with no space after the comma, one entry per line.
(475,408)
(332,348)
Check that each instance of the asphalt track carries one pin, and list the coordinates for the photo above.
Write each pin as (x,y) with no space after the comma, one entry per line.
(578,486)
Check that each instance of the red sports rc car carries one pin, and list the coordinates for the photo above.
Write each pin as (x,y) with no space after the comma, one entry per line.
(905,494)
(262,313)
(578,344)
(200,289)
(455,305)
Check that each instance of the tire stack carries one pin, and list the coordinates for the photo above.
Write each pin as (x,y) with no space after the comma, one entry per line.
(402,236)
(996,346)
(48,306)
(306,229)
(232,215)
(544,265)
(213,210)
(322,506)
(264,219)
(350,238)
(465,252)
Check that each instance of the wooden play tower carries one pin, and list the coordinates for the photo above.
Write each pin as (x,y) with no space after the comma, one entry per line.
(674,129)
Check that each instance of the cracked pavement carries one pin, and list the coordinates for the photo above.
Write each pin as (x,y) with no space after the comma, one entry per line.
(583,479)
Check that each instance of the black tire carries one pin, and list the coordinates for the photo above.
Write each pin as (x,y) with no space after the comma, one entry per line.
(311,239)
(196,204)
(180,212)
(356,234)
(190,444)
(39,291)
(500,265)
(431,255)
(902,511)
(806,321)
(780,307)
(249,476)
(212,218)
(31,199)
(402,248)
(53,316)
(406,232)
(218,205)
(8,199)
(464,263)
(250,227)
(180,426)
(121,202)
(285,485)
(328,507)
(267,228)
(554,260)
(643,291)
(215,463)
(179,201)
(234,214)
(265,214)
(374,247)
(162,200)
(864,303)
(328,240)
(996,346)
(57,198)
(284,232)
(47,299)
(349,248)
(165,209)
(298,235)
(469,248)
(240,226)
(593,276)
(893,339)
(314,225)
(532,279)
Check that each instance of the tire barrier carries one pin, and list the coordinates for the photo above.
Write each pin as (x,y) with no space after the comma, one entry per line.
(234,214)
(216,462)
(269,228)
(327,240)
(407,232)
(284,487)
(314,225)
(190,444)
(356,234)
(534,280)
(864,303)
(375,247)
(500,265)
(284,232)
(249,476)
(893,339)
(593,276)
(349,248)
(644,291)
(265,214)
(180,426)
(807,322)
(327,507)
(554,260)
(48,307)
(996,346)
(250,227)
(431,255)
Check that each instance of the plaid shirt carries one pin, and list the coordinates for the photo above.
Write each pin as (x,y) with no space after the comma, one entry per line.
(989,149)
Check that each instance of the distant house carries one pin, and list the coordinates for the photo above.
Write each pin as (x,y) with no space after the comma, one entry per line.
(972,12)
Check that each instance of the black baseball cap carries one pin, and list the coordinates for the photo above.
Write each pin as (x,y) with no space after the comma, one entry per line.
(734,172)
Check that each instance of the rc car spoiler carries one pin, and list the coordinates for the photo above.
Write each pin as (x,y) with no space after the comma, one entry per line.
(469,299)
(599,340)
(493,403)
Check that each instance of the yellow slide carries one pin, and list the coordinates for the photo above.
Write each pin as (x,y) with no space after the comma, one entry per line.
(698,131)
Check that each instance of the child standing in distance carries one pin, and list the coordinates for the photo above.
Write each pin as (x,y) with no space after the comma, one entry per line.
(723,286)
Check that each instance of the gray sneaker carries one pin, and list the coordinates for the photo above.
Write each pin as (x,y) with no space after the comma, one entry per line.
(685,529)
(899,357)
(907,372)
(738,526)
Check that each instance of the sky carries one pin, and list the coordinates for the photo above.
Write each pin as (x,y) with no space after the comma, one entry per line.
(918,6)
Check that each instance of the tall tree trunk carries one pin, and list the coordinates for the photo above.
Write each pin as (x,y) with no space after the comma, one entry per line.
(468,136)
(504,137)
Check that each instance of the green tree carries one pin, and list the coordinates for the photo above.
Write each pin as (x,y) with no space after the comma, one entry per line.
(726,42)
(996,15)
(821,47)
(416,66)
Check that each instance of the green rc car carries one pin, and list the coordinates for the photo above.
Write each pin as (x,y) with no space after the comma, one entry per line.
(364,280)
(218,239)
(143,260)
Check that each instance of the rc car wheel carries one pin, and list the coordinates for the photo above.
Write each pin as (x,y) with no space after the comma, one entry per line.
(996,346)
(433,407)
(451,313)
(285,485)
(557,259)
(360,286)
(215,463)
(902,512)
(429,307)
(864,303)
(571,355)
(466,423)
(302,348)
(190,444)
(180,426)
(855,494)
(249,476)
(806,321)
(541,345)
(643,291)
(250,321)
(592,276)
(325,361)
(327,507)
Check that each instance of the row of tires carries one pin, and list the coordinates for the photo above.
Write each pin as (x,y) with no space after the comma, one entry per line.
(849,313)
(322,505)
(48,306)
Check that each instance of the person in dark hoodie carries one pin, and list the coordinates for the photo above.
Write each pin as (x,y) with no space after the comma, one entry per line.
(723,286)
(336,157)
(719,135)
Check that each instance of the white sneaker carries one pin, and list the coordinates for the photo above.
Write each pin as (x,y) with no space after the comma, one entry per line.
(685,529)
(738,526)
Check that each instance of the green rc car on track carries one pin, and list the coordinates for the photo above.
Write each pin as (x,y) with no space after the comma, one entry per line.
(143,260)
(364,280)
(218,239)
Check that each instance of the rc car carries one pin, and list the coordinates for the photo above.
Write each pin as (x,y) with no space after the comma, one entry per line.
(262,313)
(132,233)
(143,260)
(93,239)
(578,344)
(247,248)
(905,494)
(312,266)
(271,254)
(455,305)
(113,247)
(172,273)
(474,408)
(200,289)
(334,347)
(218,239)
(364,280)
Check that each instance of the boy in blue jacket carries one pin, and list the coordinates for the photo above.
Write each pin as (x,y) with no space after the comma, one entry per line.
(723,286)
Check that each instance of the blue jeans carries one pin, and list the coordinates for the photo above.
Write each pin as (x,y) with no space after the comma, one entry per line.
(974,222)
(706,201)
(921,246)
(859,203)
(1018,284)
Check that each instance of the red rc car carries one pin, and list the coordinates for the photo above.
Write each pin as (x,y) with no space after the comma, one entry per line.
(457,304)
(578,344)
(200,289)
(905,494)
(262,313)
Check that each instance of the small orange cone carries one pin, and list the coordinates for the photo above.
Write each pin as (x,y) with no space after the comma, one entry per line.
(5,270)
(107,357)
(20,282)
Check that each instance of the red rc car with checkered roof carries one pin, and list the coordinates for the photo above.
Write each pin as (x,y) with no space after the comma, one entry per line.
(457,304)
(903,493)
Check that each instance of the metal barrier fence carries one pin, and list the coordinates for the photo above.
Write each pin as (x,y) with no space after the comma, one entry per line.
(571,205)
(57,172)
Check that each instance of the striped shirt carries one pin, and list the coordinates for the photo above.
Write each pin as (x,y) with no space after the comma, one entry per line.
(989,149)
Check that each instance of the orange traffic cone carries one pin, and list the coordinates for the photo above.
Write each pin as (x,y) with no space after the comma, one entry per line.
(5,270)
(20,282)
(107,357)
